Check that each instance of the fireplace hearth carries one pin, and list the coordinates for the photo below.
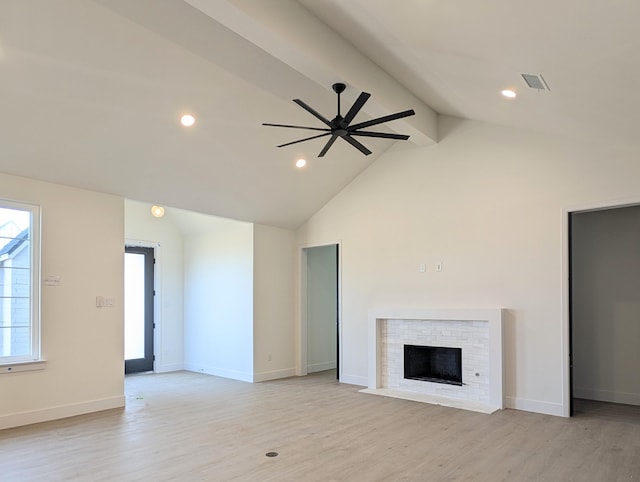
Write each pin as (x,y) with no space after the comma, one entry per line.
(434,364)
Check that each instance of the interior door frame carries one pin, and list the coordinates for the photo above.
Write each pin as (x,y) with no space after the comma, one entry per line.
(567,308)
(301,362)
(157,313)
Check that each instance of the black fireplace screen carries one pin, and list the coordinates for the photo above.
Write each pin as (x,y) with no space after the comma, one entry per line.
(433,364)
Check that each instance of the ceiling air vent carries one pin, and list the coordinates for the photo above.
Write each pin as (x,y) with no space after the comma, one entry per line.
(535,81)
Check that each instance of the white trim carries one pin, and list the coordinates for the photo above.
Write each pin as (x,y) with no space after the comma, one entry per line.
(301,322)
(23,366)
(63,411)
(565,292)
(139,243)
(35,279)
(565,336)
(320,367)
(170,367)
(607,396)
(220,372)
(274,375)
(493,316)
(603,205)
(353,380)
(320,245)
(536,406)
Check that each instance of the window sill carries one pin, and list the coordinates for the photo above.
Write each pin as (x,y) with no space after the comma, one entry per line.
(22,366)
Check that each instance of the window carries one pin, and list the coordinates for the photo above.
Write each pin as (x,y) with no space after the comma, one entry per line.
(19,282)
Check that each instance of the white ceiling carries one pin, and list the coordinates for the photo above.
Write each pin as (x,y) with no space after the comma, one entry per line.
(91,90)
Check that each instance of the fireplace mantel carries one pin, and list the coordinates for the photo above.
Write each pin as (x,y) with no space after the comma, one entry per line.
(493,317)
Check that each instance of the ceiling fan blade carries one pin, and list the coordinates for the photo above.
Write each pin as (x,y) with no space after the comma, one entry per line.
(381,120)
(311,111)
(296,127)
(355,108)
(328,145)
(356,144)
(305,139)
(385,135)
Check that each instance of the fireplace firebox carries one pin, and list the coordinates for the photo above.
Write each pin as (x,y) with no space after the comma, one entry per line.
(433,364)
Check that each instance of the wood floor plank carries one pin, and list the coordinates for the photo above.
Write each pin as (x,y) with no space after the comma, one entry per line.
(191,427)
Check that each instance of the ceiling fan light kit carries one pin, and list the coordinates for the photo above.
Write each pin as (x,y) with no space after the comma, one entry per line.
(342,127)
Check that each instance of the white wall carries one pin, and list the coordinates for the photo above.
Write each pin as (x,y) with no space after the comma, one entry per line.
(274,303)
(82,234)
(141,228)
(218,298)
(606,305)
(488,202)
(322,307)
(273,290)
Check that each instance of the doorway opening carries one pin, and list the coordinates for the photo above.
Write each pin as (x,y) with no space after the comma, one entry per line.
(320,347)
(604,305)
(138,309)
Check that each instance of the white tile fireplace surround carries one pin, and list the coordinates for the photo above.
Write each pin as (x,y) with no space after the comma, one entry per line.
(478,332)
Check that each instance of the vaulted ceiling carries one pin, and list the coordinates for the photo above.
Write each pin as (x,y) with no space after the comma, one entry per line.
(91,91)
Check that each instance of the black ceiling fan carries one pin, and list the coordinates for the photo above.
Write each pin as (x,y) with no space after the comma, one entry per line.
(340,126)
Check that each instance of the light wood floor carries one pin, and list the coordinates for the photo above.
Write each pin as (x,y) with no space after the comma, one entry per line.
(187,427)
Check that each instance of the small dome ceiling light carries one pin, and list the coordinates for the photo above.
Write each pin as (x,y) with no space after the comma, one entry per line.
(187,120)
(509,93)
(301,163)
(157,211)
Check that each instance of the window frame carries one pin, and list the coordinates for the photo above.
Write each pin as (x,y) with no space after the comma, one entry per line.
(35,352)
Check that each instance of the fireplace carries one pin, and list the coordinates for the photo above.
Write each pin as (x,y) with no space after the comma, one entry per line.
(435,364)
(476,332)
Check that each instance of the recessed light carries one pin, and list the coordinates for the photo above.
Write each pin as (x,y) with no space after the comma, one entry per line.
(157,211)
(301,163)
(187,120)
(508,93)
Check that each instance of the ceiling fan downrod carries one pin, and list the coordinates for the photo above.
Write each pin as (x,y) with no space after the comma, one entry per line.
(339,88)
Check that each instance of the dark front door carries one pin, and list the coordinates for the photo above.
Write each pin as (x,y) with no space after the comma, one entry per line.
(138,309)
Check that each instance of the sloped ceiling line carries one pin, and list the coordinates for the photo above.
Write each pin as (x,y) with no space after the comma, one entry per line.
(294,36)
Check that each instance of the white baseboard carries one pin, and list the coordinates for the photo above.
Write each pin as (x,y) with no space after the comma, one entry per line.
(320,367)
(220,372)
(274,375)
(536,406)
(354,380)
(170,367)
(607,396)
(62,411)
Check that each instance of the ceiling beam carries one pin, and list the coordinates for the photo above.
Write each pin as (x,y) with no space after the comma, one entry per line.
(293,35)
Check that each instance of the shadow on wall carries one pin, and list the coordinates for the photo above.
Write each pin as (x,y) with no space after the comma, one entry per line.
(509,337)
